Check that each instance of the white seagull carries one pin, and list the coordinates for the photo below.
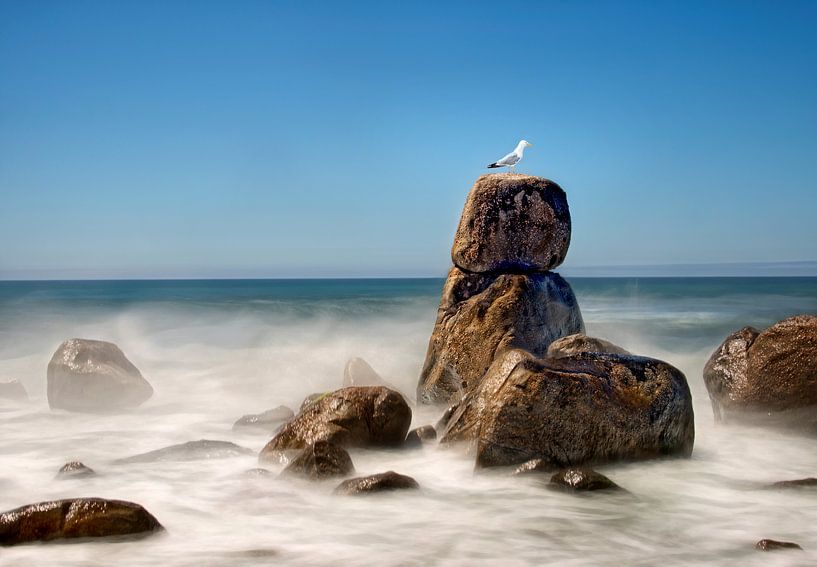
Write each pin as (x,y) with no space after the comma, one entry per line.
(514,157)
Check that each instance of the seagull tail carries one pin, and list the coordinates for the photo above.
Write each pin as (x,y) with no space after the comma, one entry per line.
(493,165)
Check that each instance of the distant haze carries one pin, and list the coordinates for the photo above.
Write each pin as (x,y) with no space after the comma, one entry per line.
(324,139)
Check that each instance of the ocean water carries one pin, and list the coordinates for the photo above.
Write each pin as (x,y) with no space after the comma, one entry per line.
(215,350)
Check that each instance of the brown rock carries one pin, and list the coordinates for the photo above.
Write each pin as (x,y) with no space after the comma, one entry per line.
(383,482)
(311,399)
(773,545)
(512,223)
(13,390)
(579,343)
(75,469)
(589,408)
(534,466)
(321,460)
(581,479)
(425,434)
(95,377)
(267,420)
(359,416)
(480,315)
(767,377)
(798,483)
(75,518)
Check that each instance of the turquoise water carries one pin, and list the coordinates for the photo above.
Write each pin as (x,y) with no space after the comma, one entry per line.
(215,350)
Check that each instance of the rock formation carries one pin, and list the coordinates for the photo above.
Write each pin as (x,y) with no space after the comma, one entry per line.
(579,343)
(95,377)
(75,469)
(382,482)
(75,518)
(359,416)
(767,376)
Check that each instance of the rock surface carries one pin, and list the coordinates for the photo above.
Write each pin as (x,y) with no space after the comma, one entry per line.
(425,434)
(581,479)
(358,416)
(767,377)
(480,315)
(13,390)
(512,223)
(358,372)
(190,451)
(534,466)
(321,460)
(579,343)
(382,482)
(94,376)
(798,483)
(589,408)
(774,545)
(75,518)
(75,469)
(267,420)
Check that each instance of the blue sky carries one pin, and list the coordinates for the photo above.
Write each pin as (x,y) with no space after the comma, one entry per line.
(340,138)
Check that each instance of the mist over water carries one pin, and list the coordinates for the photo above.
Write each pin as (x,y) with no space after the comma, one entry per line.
(215,350)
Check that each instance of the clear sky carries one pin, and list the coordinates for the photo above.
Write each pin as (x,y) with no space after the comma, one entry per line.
(340,138)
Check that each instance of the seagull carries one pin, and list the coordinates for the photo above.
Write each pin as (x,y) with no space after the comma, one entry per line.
(514,157)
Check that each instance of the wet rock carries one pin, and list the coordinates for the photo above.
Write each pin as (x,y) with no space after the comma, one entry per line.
(534,466)
(420,435)
(383,482)
(798,483)
(588,408)
(267,420)
(579,343)
(311,399)
(481,315)
(13,390)
(773,545)
(75,518)
(94,377)
(75,469)
(767,377)
(512,223)
(190,451)
(581,479)
(321,460)
(358,416)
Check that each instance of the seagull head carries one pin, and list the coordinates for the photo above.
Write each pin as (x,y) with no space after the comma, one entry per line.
(525,144)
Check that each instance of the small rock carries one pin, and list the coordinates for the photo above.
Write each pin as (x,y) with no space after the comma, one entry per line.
(581,479)
(420,435)
(773,545)
(321,460)
(75,469)
(376,483)
(75,518)
(190,451)
(13,390)
(534,466)
(267,420)
(799,483)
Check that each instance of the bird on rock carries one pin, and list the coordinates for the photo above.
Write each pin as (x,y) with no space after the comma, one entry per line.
(512,158)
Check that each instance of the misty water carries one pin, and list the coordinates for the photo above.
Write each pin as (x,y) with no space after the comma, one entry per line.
(216,350)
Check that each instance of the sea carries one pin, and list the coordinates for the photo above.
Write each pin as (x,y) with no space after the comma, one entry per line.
(215,350)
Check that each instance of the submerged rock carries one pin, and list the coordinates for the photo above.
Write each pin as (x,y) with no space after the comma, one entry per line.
(267,420)
(94,376)
(579,343)
(767,377)
(581,479)
(257,473)
(425,434)
(588,408)
(798,483)
(512,223)
(773,545)
(383,482)
(321,460)
(13,390)
(358,372)
(358,416)
(75,469)
(480,315)
(190,451)
(75,518)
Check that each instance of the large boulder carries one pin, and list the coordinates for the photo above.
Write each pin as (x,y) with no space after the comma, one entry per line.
(95,377)
(584,409)
(579,343)
(358,416)
(512,223)
(481,315)
(75,518)
(767,376)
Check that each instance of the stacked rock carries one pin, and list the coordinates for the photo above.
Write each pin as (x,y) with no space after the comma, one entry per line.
(588,401)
